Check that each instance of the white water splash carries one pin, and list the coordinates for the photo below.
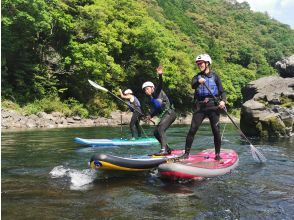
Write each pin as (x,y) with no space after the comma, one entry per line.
(79,179)
(59,171)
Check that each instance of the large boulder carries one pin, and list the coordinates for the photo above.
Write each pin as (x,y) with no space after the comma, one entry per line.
(269,107)
(286,67)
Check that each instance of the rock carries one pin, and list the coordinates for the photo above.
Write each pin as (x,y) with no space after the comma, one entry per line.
(57,114)
(286,67)
(184,120)
(30,123)
(12,119)
(5,113)
(45,116)
(33,117)
(251,111)
(268,89)
(268,108)
(41,114)
(93,117)
(70,120)
(87,122)
(77,118)
(271,125)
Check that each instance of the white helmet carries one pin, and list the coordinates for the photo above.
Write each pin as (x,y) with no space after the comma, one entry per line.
(203,57)
(146,84)
(128,91)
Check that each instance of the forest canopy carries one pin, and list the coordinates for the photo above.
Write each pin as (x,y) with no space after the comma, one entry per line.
(50,48)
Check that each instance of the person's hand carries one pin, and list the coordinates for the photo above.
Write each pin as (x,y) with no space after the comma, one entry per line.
(146,118)
(222,105)
(159,70)
(201,80)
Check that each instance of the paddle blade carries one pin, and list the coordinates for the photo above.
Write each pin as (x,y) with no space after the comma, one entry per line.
(97,86)
(257,155)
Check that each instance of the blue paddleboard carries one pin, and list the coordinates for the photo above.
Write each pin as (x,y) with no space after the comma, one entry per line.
(115,141)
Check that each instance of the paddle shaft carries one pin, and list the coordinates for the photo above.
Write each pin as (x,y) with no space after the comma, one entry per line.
(215,99)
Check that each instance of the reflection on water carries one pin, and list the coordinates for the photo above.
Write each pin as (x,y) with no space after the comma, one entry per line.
(44,173)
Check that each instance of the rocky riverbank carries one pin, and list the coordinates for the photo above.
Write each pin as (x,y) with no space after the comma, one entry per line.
(268,108)
(14,120)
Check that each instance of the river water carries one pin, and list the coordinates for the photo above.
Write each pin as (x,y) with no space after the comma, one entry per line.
(45,175)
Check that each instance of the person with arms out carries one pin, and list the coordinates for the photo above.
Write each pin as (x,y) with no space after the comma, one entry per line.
(135,107)
(205,104)
(161,107)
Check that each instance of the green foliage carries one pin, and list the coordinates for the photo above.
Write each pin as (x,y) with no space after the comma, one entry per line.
(7,104)
(76,108)
(99,107)
(50,49)
(70,107)
(236,112)
(234,77)
(48,105)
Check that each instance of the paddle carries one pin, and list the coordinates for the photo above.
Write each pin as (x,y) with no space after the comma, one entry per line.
(257,155)
(121,128)
(106,90)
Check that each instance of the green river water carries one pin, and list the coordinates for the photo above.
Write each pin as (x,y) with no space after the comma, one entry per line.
(45,175)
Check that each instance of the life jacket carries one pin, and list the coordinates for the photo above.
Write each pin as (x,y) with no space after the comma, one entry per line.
(161,103)
(211,84)
(135,105)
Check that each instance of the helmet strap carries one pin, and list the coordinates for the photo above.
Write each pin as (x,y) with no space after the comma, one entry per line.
(206,68)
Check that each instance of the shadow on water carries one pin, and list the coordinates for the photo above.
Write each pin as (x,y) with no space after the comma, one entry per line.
(44,173)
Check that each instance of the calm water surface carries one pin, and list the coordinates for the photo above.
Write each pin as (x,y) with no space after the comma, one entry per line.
(45,175)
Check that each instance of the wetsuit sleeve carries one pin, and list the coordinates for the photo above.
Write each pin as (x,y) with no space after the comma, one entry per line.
(195,82)
(159,87)
(221,91)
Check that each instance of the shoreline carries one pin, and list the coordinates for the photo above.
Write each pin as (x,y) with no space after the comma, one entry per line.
(13,121)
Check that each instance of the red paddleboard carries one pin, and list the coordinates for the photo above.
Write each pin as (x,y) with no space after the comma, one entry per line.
(201,165)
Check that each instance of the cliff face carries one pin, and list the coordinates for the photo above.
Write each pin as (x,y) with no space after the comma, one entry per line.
(268,109)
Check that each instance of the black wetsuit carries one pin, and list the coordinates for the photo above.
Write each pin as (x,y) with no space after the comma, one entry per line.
(205,106)
(135,120)
(162,107)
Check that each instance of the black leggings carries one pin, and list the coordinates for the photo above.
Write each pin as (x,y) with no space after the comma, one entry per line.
(135,124)
(197,119)
(165,122)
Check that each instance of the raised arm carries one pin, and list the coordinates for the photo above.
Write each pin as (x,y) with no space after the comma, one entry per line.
(158,88)
(124,96)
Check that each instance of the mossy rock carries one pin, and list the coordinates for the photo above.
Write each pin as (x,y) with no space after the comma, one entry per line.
(271,126)
(263,132)
(286,102)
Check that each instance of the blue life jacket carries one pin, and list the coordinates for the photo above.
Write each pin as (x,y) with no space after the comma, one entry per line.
(211,84)
(156,103)
(161,102)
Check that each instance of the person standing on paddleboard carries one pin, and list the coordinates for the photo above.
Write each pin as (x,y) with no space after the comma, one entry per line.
(205,104)
(135,107)
(161,107)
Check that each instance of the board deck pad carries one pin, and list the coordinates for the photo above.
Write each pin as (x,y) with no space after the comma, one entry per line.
(201,164)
